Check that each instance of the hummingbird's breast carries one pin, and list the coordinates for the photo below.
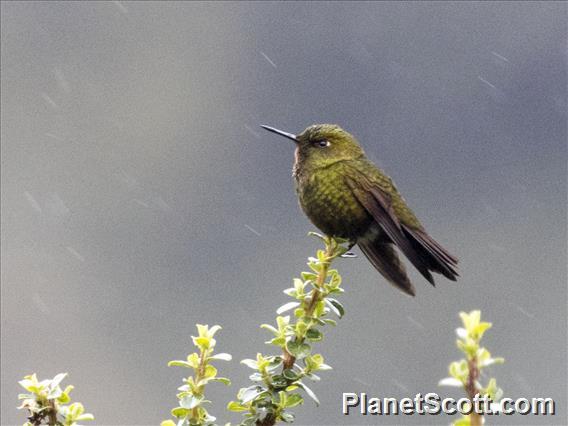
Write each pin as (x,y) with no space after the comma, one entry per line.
(329,202)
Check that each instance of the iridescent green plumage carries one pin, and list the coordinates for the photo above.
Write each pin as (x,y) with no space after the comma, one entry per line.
(347,196)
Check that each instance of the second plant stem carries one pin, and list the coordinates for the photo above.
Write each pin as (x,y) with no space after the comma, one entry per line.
(476,419)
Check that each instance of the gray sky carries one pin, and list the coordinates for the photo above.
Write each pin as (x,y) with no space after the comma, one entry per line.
(139,195)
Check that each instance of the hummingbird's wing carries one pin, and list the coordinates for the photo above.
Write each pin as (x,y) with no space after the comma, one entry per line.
(383,256)
(378,195)
(374,200)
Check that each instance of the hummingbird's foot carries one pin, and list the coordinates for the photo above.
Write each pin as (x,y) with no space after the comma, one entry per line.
(349,254)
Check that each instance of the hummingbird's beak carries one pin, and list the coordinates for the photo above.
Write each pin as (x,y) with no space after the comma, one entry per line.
(280,132)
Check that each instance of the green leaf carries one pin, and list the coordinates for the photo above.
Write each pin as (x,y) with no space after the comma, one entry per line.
(251,363)
(335,278)
(210,372)
(290,292)
(287,417)
(314,335)
(209,419)
(250,420)
(221,356)
(330,321)
(313,377)
(308,276)
(262,361)
(179,363)
(270,328)
(319,320)
(167,423)
(57,379)
(310,393)
(54,393)
(236,407)
(256,377)
(190,401)
(335,306)
(459,370)
(202,342)
(301,328)
(64,398)
(283,398)
(275,364)
(299,350)
(278,341)
(294,400)
(450,381)
(75,409)
(290,374)
(313,362)
(205,331)
(286,307)
(319,309)
(314,265)
(192,385)
(480,329)
(468,347)
(193,360)
(279,381)
(470,320)
(180,412)
(29,385)
(282,322)
(494,391)
(86,416)
(250,393)
(223,380)
(492,361)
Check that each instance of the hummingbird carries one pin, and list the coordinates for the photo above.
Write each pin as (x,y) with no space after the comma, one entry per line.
(345,195)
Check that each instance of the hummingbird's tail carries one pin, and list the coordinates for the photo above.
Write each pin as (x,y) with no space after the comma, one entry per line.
(436,257)
(383,256)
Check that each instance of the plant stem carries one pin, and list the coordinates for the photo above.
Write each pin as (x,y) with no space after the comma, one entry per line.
(52,414)
(49,411)
(288,358)
(476,419)
(269,420)
(198,376)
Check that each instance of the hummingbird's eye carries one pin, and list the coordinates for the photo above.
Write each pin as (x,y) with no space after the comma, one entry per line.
(322,143)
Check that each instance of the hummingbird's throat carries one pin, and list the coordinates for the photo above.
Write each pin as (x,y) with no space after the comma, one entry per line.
(296,166)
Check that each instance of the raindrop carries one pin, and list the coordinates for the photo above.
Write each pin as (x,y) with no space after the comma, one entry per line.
(268,59)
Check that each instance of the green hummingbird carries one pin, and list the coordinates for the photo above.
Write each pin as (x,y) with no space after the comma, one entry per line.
(345,195)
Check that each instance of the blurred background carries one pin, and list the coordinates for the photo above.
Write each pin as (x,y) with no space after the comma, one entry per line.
(140,196)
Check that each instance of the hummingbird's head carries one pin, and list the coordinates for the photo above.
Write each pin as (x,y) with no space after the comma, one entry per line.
(320,145)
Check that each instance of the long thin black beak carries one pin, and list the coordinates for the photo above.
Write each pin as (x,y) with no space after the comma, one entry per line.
(281,133)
